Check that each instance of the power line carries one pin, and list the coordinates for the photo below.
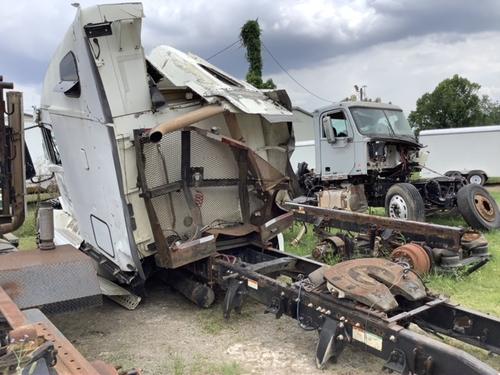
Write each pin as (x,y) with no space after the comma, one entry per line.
(292,78)
(223,50)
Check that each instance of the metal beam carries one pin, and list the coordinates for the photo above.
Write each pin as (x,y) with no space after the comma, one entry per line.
(434,235)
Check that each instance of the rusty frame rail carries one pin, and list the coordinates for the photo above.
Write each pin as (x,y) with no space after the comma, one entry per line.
(12,160)
(440,236)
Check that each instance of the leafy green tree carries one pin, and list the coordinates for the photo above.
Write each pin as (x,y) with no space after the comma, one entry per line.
(453,103)
(250,36)
(490,111)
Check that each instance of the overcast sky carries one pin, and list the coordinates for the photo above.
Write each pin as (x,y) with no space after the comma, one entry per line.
(399,49)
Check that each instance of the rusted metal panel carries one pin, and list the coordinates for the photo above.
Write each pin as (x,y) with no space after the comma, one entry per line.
(171,251)
(187,252)
(10,311)
(434,235)
(13,168)
(277,225)
(268,176)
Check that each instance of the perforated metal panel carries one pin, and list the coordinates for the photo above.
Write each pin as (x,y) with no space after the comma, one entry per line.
(214,161)
(177,219)
(220,203)
(163,157)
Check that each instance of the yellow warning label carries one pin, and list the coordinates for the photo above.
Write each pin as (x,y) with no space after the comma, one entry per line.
(367,338)
(253,284)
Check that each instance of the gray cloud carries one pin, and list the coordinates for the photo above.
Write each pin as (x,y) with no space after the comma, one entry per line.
(402,71)
(303,35)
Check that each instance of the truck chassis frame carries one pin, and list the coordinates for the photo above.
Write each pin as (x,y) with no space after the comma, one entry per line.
(252,271)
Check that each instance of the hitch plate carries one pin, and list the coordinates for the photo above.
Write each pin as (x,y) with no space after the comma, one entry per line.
(374,282)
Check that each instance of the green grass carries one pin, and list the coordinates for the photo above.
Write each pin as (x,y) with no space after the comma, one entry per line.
(27,232)
(33,198)
(307,243)
(212,321)
(493,180)
(480,289)
(199,366)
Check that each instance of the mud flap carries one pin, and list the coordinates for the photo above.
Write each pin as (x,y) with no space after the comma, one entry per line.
(332,340)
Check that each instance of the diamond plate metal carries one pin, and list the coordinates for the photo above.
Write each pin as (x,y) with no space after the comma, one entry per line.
(57,280)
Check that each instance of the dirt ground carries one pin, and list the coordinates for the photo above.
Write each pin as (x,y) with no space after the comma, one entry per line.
(167,334)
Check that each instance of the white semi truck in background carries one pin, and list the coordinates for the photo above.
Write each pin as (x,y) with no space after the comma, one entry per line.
(472,152)
(366,154)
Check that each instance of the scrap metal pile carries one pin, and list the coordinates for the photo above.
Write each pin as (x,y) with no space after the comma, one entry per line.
(421,246)
(31,345)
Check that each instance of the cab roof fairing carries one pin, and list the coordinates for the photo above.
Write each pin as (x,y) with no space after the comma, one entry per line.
(187,70)
(91,104)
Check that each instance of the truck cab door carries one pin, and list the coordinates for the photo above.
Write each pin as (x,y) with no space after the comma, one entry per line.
(336,151)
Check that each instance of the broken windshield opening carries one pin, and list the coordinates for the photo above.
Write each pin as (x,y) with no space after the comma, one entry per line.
(381,122)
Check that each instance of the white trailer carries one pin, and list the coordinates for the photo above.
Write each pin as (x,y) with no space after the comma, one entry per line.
(303,130)
(471,152)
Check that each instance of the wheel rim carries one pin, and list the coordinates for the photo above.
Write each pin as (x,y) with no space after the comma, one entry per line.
(484,207)
(475,179)
(398,208)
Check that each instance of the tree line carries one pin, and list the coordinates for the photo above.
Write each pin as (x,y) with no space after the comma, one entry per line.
(454,103)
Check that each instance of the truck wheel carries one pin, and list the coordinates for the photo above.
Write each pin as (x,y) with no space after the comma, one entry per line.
(478,207)
(403,201)
(476,178)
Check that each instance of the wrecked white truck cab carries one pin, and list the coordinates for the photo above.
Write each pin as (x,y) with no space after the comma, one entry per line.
(167,162)
(157,155)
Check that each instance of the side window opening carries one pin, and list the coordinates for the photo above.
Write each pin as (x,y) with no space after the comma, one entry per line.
(49,144)
(338,122)
(68,73)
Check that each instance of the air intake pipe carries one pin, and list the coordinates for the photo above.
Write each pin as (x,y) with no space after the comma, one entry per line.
(179,122)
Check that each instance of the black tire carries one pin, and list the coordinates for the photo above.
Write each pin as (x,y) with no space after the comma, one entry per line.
(477,178)
(478,207)
(404,195)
